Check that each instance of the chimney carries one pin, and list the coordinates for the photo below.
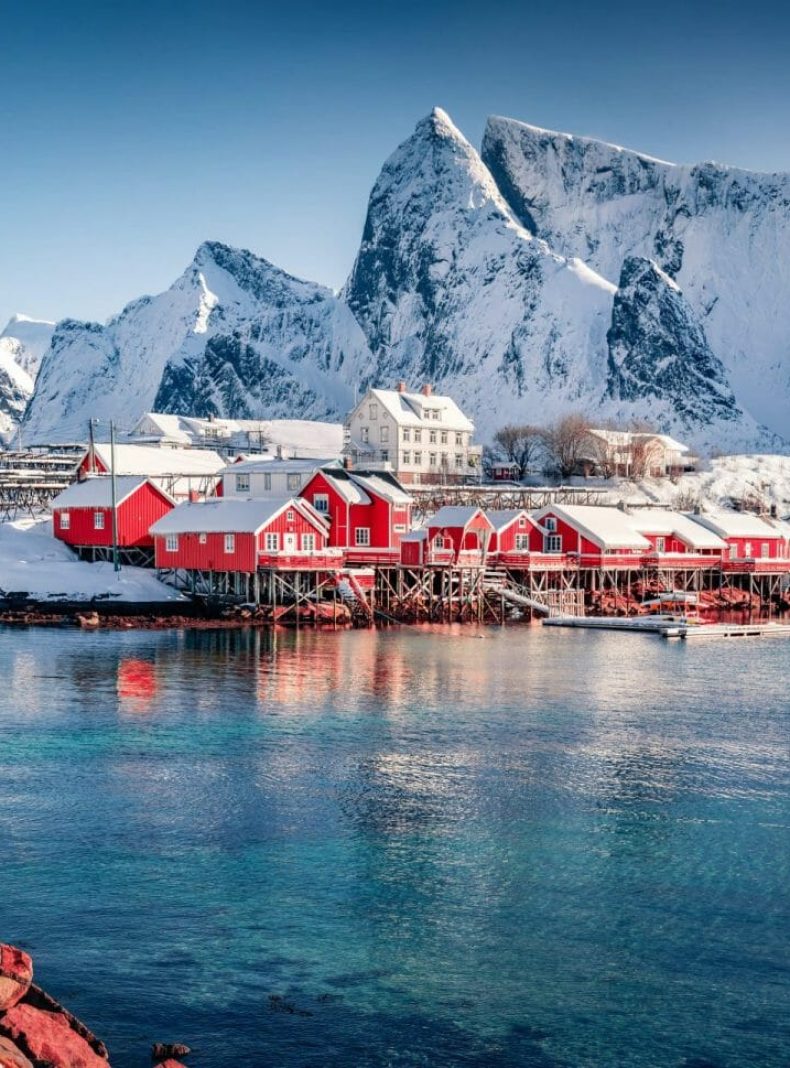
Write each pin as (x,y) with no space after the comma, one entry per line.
(401,386)
(427,389)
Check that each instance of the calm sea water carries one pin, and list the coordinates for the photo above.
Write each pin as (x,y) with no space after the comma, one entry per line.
(438,847)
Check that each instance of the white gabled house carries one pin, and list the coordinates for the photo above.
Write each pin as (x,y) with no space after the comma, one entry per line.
(421,437)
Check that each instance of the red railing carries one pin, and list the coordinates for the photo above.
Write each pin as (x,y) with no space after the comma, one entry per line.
(315,561)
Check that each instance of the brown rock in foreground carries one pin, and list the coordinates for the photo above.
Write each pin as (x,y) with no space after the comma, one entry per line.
(16,975)
(11,1056)
(163,1051)
(48,1037)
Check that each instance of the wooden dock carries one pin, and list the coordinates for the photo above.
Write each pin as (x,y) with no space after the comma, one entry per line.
(672,628)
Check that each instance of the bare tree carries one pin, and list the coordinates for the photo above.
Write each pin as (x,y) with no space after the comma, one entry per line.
(519,445)
(566,442)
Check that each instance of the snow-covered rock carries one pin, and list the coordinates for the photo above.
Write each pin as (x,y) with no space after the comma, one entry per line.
(233,336)
(722,233)
(16,388)
(26,340)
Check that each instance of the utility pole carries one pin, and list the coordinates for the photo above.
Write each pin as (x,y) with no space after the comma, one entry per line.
(92,450)
(115,560)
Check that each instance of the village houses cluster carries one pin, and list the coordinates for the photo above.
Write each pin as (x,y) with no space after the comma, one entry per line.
(190,510)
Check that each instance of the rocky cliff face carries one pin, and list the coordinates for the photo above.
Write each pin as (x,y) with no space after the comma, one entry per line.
(723,234)
(26,340)
(233,336)
(16,389)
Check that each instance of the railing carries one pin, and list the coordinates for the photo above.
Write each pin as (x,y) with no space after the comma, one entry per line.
(752,564)
(306,561)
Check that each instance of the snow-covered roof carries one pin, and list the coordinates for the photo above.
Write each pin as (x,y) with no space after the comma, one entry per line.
(624,438)
(381,484)
(407,409)
(270,465)
(608,528)
(415,535)
(350,491)
(97,492)
(662,521)
(155,462)
(501,518)
(302,436)
(452,515)
(736,524)
(227,515)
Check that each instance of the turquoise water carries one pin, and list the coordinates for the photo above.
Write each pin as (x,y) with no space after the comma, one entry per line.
(421,847)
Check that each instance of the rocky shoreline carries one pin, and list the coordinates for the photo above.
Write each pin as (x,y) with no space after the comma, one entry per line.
(36,1031)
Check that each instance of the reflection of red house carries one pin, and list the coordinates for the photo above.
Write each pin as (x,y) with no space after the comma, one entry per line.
(242,535)
(369,512)
(82,513)
(455,535)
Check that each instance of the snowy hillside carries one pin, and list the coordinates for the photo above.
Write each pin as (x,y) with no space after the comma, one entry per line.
(232,336)
(26,340)
(451,289)
(723,234)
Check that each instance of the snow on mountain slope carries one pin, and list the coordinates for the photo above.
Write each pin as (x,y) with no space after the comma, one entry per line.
(722,233)
(26,340)
(450,288)
(233,336)
(16,388)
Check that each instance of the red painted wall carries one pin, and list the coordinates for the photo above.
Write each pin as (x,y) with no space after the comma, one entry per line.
(379,516)
(743,548)
(469,538)
(505,541)
(136,515)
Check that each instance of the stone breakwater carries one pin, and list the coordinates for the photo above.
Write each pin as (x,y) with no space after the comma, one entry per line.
(38,1032)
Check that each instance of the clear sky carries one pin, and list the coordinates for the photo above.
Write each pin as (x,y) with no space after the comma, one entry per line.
(133,131)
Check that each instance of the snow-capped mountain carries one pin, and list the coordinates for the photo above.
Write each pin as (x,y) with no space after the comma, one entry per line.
(26,340)
(451,288)
(16,388)
(552,274)
(722,233)
(233,336)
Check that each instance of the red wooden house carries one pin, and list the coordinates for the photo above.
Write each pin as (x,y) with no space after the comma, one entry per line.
(369,512)
(515,535)
(241,536)
(676,540)
(591,536)
(753,544)
(82,516)
(455,535)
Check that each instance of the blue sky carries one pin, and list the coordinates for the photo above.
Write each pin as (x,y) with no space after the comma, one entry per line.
(132,132)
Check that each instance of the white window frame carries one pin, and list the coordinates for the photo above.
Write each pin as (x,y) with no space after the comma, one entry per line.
(443,437)
(400,528)
(418,457)
(289,516)
(384,434)
(522,542)
(243,483)
(661,545)
(432,437)
(267,481)
(765,550)
(98,521)
(272,541)
(321,503)
(230,543)
(418,437)
(364,435)
(406,434)
(308,543)
(373,412)
(550,523)
(293,482)
(552,543)
(64,520)
(432,462)
(171,543)
(362,537)
(202,538)
(407,457)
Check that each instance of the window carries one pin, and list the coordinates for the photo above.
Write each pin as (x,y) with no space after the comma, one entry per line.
(373,411)
(432,437)
(747,549)
(432,459)
(362,536)
(384,433)
(407,457)
(289,515)
(293,482)
(230,543)
(765,549)
(400,528)
(385,455)
(418,457)
(364,434)
(459,439)
(522,542)
(98,520)
(552,543)
(522,522)
(267,481)
(661,545)
(321,503)
(459,460)
(202,539)
(65,520)
(438,542)
(171,543)
(444,437)
(308,543)
(550,523)
(407,434)
(242,483)
(272,543)
(418,436)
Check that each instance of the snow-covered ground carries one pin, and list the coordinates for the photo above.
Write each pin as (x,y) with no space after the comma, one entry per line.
(725,481)
(33,561)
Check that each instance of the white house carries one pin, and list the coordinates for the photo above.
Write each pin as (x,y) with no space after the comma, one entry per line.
(281,438)
(421,437)
(636,453)
(267,477)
